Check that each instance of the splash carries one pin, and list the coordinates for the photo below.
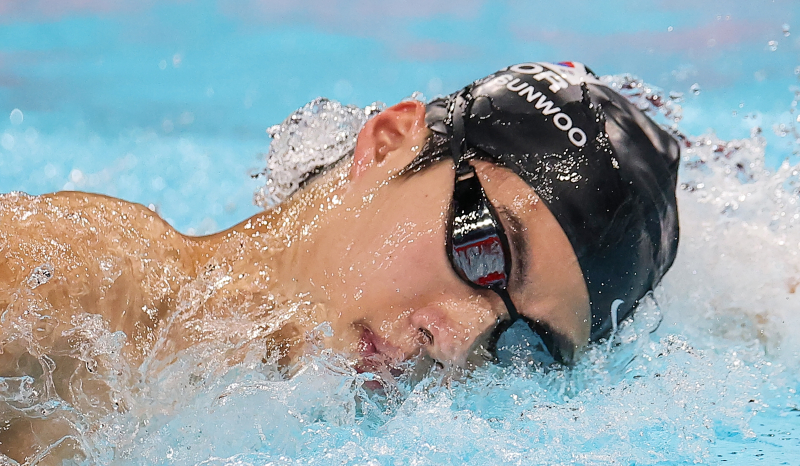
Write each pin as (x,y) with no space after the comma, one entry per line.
(655,102)
(310,140)
(743,235)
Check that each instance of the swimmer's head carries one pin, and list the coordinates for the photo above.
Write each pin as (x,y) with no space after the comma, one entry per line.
(603,168)
(541,164)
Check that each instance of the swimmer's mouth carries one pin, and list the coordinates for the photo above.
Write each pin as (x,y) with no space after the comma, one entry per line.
(366,345)
(376,355)
(387,362)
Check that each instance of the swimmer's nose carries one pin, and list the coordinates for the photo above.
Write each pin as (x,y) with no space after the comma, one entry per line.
(444,340)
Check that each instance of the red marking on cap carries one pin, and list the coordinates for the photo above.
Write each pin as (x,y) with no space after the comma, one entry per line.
(566,63)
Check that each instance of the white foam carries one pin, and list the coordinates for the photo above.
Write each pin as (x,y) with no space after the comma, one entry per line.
(314,137)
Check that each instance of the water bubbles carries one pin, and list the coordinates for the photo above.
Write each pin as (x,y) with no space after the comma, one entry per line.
(786,32)
(158,183)
(772,45)
(40,275)
(50,170)
(186,118)
(31,135)
(649,99)
(162,65)
(7,141)
(76,176)
(435,86)
(695,89)
(16,117)
(312,138)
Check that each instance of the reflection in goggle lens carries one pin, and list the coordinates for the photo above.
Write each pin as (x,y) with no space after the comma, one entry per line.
(478,245)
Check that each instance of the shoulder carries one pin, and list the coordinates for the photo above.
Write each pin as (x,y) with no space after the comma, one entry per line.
(74,228)
(71,253)
(75,207)
(76,215)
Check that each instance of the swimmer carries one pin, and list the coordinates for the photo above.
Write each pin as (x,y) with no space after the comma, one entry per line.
(535,194)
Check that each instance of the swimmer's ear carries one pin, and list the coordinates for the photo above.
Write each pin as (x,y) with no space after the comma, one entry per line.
(391,138)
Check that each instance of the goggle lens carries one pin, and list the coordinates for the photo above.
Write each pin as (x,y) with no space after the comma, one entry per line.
(478,246)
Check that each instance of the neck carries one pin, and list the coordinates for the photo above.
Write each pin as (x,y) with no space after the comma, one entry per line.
(295,244)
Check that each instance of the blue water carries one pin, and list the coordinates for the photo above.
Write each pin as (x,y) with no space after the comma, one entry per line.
(107,79)
(167,103)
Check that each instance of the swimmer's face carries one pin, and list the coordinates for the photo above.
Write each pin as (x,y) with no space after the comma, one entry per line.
(397,293)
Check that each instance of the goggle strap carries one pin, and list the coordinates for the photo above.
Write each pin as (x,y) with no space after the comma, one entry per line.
(537,328)
(466,172)
(512,309)
(501,327)
(459,135)
(494,338)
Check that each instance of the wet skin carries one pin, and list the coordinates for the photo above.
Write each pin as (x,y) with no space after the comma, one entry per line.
(396,281)
(361,247)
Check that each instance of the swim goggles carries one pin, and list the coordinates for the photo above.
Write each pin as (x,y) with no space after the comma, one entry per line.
(477,245)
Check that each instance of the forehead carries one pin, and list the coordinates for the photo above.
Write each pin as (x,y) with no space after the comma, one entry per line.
(554,290)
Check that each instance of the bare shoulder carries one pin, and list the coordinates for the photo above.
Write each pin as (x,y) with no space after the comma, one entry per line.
(68,254)
(20,210)
(70,228)
(77,269)
(51,221)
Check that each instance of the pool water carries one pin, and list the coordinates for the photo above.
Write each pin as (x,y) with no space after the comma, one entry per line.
(167,104)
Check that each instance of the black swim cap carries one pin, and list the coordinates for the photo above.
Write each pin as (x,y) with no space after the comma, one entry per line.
(605,170)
